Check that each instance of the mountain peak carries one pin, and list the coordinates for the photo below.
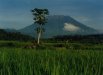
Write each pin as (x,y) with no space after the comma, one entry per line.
(60,25)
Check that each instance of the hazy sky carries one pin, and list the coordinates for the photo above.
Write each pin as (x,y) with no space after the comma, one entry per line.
(16,13)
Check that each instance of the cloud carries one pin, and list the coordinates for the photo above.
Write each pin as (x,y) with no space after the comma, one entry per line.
(70,27)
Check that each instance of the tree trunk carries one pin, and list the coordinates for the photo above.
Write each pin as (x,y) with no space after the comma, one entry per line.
(39,35)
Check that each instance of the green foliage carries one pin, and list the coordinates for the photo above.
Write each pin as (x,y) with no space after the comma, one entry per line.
(13,44)
(53,46)
(40,15)
(17,61)
(14,36)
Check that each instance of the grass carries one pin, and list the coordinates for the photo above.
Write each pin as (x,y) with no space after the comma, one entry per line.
(18,61)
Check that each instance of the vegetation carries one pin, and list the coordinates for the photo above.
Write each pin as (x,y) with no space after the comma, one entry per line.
(18,61)
(94,38)
(51,58)
(14,36)
(40,19)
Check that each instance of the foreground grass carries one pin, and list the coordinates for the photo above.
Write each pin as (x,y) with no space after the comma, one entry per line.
(17,61)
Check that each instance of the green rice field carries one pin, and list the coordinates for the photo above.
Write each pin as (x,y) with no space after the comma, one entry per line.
(19,61)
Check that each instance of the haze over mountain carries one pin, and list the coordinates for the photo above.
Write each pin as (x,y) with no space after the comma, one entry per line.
(60,25)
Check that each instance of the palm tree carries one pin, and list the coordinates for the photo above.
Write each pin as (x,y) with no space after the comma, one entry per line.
(40,18)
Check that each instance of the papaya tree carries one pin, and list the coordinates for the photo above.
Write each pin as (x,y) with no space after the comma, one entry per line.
(40,18)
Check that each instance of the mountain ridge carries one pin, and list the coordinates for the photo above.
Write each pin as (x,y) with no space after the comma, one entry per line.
(60,25)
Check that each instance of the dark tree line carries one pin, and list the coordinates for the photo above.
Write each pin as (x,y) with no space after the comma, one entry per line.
(97,38)
(14,36)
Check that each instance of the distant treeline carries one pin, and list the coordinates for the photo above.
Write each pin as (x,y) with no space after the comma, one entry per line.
(17,36)
(97,38)
(14,36)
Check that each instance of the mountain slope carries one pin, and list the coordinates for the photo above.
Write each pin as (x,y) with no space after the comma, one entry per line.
(11,30)
(60,25)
